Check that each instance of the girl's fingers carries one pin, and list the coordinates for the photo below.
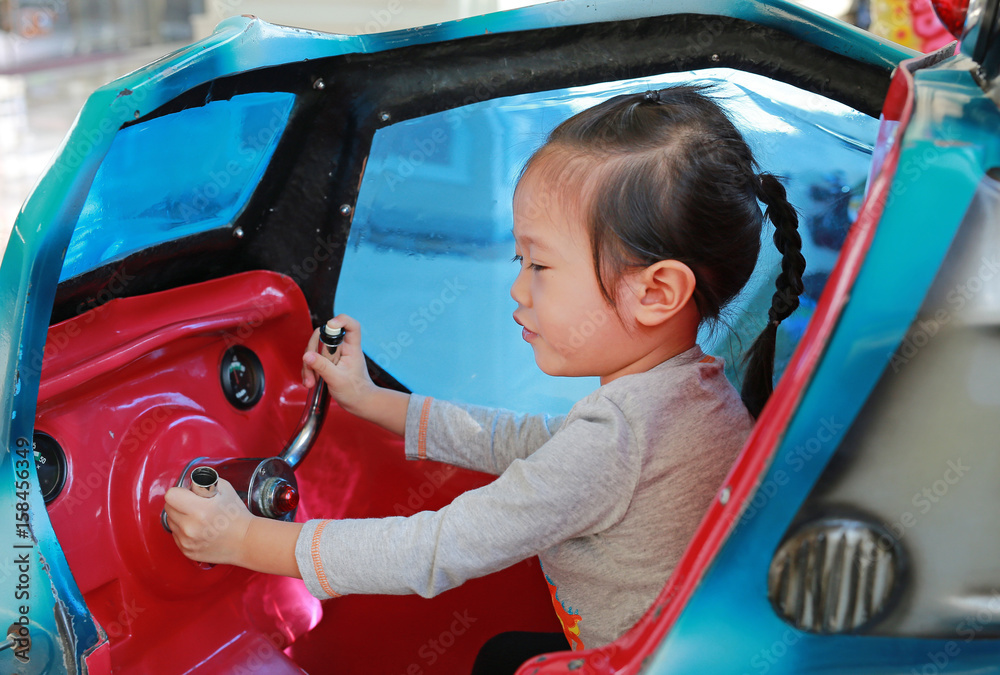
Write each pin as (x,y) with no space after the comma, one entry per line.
(320,366)
(350,325)
(352,341)
(308,379)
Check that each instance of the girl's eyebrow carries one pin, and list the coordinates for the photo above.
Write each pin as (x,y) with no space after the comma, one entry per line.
(529,241)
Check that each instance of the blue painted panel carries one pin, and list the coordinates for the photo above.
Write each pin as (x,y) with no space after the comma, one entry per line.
(175,176)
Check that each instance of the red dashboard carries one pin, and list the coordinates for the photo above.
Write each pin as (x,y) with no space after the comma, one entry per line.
(133,390)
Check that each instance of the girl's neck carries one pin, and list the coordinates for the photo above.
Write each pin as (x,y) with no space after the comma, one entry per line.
(653,347)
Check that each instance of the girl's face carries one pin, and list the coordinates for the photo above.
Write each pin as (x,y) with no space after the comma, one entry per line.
(570,326)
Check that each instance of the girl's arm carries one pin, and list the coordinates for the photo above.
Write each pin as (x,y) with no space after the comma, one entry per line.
(220,530)
(474,437)
(581,482)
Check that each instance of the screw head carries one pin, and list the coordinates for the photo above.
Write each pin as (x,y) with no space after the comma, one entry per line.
(345,210)
(238,233)
(384,117)
(319,84)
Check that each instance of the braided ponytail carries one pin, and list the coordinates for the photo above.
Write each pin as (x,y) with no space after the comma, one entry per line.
(758,379)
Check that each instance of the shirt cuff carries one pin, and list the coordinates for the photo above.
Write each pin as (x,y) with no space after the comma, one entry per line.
(418,412)
(307,555)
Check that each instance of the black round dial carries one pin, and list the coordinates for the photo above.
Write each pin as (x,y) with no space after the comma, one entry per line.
(242,377)
(50,464)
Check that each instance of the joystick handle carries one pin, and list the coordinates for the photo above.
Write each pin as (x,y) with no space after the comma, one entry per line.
(331,337)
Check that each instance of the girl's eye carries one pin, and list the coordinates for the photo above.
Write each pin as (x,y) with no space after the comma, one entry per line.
(534,267)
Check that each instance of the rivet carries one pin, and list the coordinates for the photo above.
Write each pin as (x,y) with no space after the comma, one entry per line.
(238,233)
(715,57)
(724,495)
(137,115)
(575,664)
(345,210)
(319,84)
(384,117)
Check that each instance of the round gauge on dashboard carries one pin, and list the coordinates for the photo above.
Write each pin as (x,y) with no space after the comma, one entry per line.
(242,377)
(50,465)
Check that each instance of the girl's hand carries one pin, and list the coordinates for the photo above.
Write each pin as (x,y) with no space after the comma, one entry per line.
(346,374)
(209,530)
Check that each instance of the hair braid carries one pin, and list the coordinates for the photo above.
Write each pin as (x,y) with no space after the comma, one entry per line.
(758,379)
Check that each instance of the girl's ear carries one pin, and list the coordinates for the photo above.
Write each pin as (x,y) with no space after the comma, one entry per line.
(662,290)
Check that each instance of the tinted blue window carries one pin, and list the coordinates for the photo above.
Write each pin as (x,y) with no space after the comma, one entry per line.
(428,269)
(175,176)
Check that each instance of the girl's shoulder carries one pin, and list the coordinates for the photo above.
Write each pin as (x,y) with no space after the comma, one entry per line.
(692,382)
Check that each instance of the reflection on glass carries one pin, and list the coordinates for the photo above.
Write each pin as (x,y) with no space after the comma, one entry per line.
(175,176)
(428,268)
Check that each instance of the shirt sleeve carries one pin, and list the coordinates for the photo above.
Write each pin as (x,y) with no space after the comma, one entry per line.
(580,482)
(474,437)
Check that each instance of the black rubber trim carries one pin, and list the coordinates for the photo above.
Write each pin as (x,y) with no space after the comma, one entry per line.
(294,223)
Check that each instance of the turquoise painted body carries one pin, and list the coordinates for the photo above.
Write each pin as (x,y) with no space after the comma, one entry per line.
(44,229)
(927,203)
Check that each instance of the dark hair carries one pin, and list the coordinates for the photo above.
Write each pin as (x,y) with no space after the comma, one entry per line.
(674,179)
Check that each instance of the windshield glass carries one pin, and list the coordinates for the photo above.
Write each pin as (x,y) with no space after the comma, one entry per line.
(428,266)
(175,176)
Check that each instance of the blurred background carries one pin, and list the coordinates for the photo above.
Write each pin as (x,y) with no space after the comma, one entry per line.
(54,53)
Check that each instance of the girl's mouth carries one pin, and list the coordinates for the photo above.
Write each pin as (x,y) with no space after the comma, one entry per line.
(525,333)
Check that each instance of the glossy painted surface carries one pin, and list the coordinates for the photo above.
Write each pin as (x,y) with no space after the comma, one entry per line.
(132,393)
(43,231)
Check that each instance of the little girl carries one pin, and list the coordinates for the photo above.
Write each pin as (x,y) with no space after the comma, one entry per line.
(640,216)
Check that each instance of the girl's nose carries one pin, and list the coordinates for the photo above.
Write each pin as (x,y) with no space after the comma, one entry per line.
(519,289)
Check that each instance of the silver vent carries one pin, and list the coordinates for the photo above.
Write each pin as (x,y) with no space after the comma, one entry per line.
(834,575)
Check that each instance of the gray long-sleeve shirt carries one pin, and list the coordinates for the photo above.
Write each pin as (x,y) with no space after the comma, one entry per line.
(607,497)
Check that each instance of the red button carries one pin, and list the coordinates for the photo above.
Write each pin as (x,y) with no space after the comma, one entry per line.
(286,498)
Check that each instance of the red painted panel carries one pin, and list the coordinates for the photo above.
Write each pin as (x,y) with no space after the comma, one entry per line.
(131,391)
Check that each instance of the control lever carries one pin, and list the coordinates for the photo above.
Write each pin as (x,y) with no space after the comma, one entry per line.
(315,412)
(267,486)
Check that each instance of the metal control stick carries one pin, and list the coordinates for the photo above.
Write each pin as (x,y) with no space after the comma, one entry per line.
(315,412)
(267,486)
(204,481)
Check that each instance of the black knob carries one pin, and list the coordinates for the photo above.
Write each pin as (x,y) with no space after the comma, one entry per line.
(331,337)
